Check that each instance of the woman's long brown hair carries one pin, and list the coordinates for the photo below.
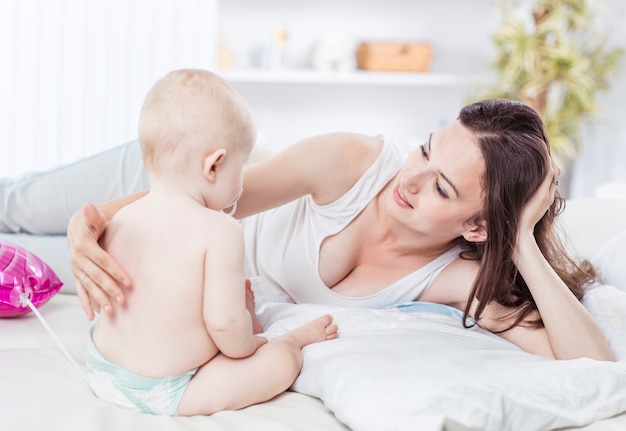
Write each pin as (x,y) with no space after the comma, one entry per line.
(514,144)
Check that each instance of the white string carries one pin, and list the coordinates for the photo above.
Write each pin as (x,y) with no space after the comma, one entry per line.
(25,301)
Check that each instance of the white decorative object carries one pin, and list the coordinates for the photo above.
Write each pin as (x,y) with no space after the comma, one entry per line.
(334,52)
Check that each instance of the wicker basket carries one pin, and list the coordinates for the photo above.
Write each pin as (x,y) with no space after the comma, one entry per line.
(394,56)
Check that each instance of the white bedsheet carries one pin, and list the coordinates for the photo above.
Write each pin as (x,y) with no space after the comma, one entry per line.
(41,391)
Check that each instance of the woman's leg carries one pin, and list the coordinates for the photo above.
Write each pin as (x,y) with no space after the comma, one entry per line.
(43,202)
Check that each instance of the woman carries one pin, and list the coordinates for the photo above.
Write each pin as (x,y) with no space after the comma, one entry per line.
(466,220)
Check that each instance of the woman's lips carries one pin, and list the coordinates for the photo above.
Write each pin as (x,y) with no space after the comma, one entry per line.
(399,197)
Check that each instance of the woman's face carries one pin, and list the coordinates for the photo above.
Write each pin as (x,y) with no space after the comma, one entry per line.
(438,192)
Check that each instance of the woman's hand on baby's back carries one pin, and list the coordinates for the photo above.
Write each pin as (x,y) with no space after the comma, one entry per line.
(97,276)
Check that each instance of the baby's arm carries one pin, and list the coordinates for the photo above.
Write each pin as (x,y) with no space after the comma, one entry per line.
(225,313)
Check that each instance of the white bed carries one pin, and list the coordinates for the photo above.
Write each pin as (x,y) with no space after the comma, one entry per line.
(389,370)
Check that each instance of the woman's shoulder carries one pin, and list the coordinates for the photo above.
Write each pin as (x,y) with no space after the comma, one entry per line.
(453,284)
(323,166)
(344,158)
(341,147)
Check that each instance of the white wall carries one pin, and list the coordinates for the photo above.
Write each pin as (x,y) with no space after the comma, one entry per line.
(461,31)
(74,72)
(83,92)
(603,157)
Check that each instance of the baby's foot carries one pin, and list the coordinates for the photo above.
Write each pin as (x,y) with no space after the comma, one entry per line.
(320,329)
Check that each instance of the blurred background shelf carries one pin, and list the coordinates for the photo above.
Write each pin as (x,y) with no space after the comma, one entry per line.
(272,49)
(304,76)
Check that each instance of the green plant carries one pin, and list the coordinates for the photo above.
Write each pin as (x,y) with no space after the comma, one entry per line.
(552,56)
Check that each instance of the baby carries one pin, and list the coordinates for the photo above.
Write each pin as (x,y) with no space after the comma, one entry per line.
(183,342)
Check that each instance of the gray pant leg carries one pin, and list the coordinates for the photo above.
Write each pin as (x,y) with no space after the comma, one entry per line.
(43,202)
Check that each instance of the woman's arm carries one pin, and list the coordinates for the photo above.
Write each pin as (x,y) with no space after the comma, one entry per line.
(571,330)
(97,276)
(325,166)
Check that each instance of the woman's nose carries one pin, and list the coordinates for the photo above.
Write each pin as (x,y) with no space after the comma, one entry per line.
(413,180)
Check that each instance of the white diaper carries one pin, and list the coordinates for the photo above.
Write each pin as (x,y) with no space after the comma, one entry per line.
(118,386)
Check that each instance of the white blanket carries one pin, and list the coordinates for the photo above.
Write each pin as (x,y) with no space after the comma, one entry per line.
(396,370)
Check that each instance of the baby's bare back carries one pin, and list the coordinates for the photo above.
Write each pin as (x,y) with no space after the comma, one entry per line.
(160,331)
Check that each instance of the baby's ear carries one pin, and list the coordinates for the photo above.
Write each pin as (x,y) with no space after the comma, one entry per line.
(211,162)
(478,233)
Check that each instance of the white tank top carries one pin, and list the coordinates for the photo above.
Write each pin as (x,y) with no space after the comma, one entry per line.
(283,244)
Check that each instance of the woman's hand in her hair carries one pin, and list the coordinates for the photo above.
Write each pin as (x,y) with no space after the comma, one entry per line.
(98,277)
(571,331)
(542,199)
(540,202)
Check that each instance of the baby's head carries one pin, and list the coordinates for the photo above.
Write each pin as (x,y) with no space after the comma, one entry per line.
(192,111)
(189,115)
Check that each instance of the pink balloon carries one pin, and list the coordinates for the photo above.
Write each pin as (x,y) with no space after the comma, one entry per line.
(23,272)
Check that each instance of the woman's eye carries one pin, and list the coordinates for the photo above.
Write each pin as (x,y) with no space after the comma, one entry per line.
(440,190)
(424,153)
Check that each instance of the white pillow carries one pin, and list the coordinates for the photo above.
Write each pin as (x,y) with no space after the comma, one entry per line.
(397,370)
(590,223)
(607,304)
(611,261)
